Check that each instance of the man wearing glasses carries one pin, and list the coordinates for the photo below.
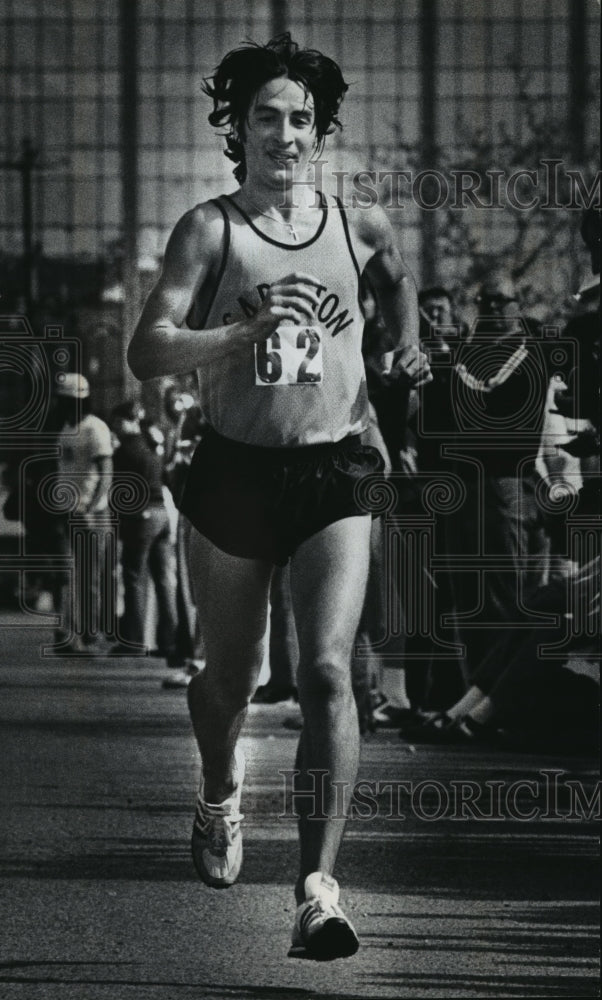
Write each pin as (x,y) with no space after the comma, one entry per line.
(499,389)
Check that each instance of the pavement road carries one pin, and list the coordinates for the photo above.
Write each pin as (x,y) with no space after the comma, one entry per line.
(99,900)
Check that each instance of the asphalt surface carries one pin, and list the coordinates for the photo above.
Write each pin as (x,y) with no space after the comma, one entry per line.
(99,900)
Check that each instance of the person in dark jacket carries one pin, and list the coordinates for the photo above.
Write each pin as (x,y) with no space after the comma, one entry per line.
(147,546)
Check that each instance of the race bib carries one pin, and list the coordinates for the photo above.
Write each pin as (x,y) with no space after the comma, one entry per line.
(292,355)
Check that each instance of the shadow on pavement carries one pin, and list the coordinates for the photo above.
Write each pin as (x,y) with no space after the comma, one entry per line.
(471,869)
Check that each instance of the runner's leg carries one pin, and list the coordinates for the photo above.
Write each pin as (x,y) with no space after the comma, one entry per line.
(232,600)
(328,579)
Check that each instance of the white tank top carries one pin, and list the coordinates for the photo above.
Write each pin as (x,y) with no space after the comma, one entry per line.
(306,384)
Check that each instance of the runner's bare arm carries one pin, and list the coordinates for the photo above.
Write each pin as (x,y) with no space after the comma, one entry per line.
(163,345)
(395,291)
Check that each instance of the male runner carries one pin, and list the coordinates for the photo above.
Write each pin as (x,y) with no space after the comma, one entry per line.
(259,292)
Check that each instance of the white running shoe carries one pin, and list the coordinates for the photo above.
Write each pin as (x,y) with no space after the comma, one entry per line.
(322,932)
(216,837)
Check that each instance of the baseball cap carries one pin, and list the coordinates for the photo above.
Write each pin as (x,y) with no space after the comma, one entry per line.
(73,385)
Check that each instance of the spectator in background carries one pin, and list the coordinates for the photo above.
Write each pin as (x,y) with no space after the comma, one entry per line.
(174,411)
(435,677)
(440,335)
(23,476)
(183,429)
(571,439)
(85,464)
(283,649)
(389,399)
(436,313)
(498,391)
(147,551)
(562,472)
(548,704)
(581,399)
(541,703)
(379,675)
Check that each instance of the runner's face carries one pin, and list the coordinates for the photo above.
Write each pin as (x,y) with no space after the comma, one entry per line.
(279,134)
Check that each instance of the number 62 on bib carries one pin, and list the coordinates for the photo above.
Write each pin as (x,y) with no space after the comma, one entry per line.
(292,355)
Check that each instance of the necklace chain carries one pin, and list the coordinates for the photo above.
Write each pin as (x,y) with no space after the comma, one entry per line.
(287,225)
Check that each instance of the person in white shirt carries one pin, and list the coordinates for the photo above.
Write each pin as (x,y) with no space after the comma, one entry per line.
(85,468)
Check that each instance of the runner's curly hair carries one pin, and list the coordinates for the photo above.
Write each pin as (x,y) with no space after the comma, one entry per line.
(243,71)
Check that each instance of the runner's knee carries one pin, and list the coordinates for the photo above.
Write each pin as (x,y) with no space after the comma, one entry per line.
(326,678)
(230,692)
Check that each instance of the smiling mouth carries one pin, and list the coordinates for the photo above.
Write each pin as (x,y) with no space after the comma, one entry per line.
(282,158)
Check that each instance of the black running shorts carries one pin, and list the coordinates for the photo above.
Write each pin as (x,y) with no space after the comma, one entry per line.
(261,503)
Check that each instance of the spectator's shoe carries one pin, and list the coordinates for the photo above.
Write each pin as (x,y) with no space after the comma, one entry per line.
(432,728)
(216,837)
(487,733)
(388,716)
(176,679)
(443,730)
(322,932)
